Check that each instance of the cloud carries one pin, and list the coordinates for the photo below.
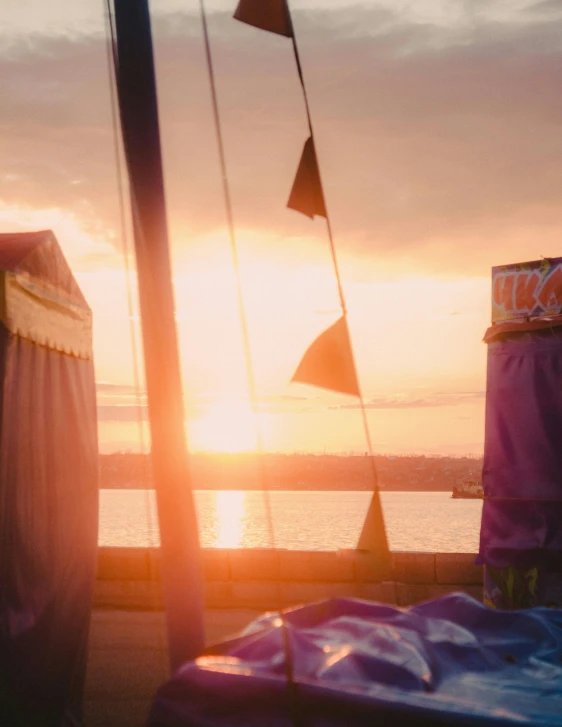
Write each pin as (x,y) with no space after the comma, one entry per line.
(123,403)
(437,399)
(545,7)
(439,142)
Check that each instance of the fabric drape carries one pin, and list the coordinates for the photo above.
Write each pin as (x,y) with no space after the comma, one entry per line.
(48,531)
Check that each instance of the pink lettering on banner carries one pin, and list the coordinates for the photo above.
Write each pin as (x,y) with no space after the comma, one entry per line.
(550,295)
(526,286)
(527,290)
(503,291)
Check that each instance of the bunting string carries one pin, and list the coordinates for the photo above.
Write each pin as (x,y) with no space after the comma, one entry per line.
(311,130)
(329,362)
(250,375)
(294,707)
(112,64)
(301,77)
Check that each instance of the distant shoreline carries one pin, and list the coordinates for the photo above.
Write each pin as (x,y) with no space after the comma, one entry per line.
(299,472)
(289,489)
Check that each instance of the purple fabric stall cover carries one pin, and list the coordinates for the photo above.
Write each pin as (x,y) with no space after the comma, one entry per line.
(448,662)
(48,531)
(522,474)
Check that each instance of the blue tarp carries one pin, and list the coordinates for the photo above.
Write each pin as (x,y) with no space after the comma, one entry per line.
(355,663)
(522,473)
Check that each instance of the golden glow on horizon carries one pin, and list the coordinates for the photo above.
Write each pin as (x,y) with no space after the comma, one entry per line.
(230,508)
(413,336)
(227,426)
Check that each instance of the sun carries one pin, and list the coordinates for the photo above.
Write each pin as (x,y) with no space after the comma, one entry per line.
(224,427)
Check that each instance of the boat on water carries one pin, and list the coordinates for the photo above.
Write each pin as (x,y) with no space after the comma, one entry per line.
(468,489)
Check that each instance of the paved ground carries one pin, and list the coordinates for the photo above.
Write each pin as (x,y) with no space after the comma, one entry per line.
(128,661)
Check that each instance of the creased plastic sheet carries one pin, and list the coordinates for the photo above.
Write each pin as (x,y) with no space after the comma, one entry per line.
(522,512)
(452,661)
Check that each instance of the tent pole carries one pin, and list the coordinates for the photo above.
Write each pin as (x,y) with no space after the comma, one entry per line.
(180,551)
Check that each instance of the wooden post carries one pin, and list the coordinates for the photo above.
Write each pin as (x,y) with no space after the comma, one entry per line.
(181,559)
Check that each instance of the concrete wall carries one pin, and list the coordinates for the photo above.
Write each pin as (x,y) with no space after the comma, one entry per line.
(129,578)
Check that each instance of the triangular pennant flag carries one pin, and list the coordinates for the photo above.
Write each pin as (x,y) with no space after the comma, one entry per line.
(373,541)
(307,195)
(328,362)
(272,15)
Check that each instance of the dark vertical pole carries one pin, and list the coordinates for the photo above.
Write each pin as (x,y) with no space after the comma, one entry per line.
(180,562)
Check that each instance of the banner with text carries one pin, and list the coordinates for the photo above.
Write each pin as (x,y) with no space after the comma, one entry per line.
(527,290)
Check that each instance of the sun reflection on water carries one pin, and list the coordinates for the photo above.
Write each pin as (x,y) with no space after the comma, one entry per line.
(230,511)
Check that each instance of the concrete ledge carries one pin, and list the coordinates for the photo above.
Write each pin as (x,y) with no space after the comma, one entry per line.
(249,564)
(272,595)
(129,578)
(413,567)
(129,564)
(295,594)
(405,567)
(310,567)
(218,593)
(216,565)
(141,564)
(366,566)
(296,565)
(457,568)
(134,595)
(408,594)
(380,592)
(266,595)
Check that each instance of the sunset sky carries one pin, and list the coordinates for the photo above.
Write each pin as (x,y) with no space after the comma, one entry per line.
(439,137)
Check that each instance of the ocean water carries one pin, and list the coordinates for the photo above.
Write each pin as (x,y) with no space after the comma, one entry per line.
(419,521)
